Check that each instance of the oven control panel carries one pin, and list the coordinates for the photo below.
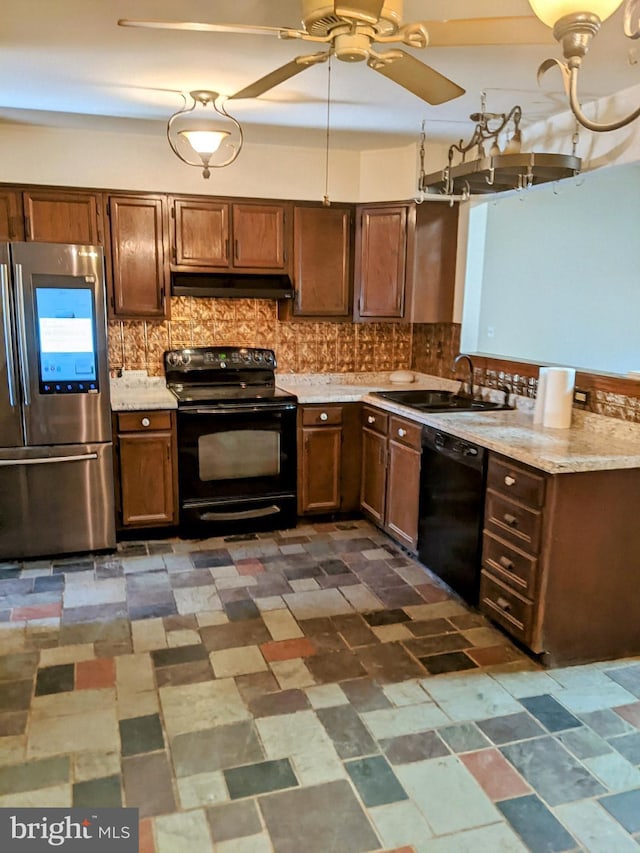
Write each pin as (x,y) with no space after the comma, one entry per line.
(219,358)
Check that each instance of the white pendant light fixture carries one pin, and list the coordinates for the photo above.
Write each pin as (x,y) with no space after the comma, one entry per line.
(575,23)
(206,131)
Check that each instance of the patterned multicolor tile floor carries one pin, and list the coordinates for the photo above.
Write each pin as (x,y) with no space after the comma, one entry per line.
(313,689)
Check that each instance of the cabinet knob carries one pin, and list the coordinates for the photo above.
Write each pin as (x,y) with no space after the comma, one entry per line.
(509,481)
(503,604)
(509,519)
(506,563)
(371,419)
(145,422)
(324,416)
(402,432)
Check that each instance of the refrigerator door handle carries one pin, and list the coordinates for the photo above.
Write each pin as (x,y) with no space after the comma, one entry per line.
(22,336)
(8,334)
(46,460)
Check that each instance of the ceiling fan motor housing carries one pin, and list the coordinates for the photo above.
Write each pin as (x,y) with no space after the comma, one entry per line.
(320,17)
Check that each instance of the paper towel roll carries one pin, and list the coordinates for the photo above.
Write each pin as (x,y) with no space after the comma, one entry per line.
(538,411)
(558,397)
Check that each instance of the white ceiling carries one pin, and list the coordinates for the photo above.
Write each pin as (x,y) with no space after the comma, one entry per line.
(67,62)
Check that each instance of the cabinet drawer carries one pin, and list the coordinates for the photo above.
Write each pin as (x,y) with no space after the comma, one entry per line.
(134,421)
(516,482)
(375,420)
(405,432)
(506,607)
(511,565)
(321,415)
(514,522)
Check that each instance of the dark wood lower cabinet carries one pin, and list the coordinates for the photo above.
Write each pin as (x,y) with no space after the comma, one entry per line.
(374,474)
(560,560)
(146,475)
(391,455)
(328,458)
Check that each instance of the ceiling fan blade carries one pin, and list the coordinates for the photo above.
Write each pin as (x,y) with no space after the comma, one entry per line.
(411,74)
(195,26)
(363,10)
(285,72)
(466,32)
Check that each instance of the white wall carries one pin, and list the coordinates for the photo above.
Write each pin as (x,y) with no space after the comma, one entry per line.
(84,158)
(559,274)
(144,161)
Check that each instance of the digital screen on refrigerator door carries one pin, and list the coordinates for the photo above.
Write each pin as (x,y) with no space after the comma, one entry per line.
(66,332)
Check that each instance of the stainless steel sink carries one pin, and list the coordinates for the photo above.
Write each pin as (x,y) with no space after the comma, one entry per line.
(432,400)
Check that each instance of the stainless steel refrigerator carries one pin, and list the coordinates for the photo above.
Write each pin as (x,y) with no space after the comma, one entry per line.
(56,468)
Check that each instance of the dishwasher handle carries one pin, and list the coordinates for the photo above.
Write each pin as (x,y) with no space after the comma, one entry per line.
(453,448)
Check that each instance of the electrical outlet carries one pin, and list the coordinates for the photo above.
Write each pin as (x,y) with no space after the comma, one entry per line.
(581,397)
(490,331)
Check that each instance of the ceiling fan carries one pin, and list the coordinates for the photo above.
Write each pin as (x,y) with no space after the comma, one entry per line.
(350,28)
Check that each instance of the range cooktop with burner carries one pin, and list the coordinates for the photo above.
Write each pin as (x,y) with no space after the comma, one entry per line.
(223,375)
(236,441)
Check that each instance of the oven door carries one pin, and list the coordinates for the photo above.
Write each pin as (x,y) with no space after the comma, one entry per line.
(237,467)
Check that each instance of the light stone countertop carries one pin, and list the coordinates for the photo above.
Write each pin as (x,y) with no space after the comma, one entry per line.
(352,387)
(593,443)
(135,391)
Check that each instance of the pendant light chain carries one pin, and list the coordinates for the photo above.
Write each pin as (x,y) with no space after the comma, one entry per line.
(326,201)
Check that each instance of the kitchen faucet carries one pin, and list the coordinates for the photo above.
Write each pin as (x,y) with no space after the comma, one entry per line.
(466,358)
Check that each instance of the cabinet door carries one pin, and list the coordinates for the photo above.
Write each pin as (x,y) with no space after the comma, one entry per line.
(140,272)
(374,454)
(321,469)
(11,216)
(403,493)
(321,261)
(146,479)
(433,263)
(62,217)
(259,236)
(381,262)
(201,237)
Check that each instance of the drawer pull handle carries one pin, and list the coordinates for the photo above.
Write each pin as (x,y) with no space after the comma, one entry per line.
(509,519)
(506,563)
(402,432)
(503,604)
(509,481)
(371,419)
(324,416)
(145,422)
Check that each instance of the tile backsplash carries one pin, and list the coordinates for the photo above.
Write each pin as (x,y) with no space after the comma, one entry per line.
(309,347)
(302,346)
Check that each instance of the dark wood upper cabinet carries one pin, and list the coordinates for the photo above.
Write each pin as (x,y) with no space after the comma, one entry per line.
(259,236)
(201,233)
(431,275)
(53,216)
(216,235)
(139,269)
(11,215)
(381,262)
(322,261)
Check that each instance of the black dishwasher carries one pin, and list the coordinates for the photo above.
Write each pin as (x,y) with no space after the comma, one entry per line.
(452,485)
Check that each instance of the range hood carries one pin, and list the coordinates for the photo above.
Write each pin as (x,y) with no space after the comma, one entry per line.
(232,286)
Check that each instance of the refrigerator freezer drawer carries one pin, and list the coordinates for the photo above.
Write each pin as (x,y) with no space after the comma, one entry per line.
(56,500)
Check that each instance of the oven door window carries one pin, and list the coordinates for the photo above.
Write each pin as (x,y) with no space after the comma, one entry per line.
(238,455)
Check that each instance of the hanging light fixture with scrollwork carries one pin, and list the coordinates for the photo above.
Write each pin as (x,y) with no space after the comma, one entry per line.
(502,169)
(204,130)
(575,23)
